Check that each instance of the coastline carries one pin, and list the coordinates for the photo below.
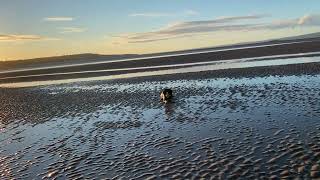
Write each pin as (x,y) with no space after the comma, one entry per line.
(112,67)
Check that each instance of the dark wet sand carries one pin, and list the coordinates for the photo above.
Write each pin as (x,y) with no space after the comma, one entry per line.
(254,123)
(300,47)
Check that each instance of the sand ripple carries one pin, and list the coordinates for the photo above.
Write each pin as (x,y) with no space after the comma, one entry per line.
(260,128)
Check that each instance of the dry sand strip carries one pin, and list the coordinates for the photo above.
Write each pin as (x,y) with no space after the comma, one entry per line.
(295,48)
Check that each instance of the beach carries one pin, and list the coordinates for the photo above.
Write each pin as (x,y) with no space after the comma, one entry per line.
(159,90)
(247,122)
(298,48)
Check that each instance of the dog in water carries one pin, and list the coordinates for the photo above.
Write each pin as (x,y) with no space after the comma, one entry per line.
(166,95)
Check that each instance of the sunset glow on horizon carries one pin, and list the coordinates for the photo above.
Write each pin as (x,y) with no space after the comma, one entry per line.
(36,28)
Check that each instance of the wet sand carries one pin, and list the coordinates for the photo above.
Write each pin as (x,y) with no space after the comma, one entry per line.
(253,123)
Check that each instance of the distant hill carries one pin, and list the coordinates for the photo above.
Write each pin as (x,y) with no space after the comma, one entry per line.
(61,60)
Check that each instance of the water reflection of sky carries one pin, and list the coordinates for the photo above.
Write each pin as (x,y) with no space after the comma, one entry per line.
(198,67)
(203,109)
(307,80)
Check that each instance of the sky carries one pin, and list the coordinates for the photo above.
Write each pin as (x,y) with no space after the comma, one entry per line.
(41,28)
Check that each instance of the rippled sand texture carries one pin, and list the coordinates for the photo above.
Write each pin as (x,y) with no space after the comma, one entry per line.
(216,128)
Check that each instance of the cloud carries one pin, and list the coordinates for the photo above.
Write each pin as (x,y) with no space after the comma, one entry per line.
(150,14)
(188,28)
(15,38)
(53,19)
(229,23)
(160,14)
(309,20)
(159,39)
(191,12)
(72,30)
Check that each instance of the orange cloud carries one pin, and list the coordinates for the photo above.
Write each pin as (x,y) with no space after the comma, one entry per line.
(23,37)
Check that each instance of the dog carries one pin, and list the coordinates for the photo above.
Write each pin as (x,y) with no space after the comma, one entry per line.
(166,95)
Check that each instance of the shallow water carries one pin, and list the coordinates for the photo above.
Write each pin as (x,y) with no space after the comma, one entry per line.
(172,69)
(215,128)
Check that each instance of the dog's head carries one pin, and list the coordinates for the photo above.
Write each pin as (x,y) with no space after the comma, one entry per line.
(166,95)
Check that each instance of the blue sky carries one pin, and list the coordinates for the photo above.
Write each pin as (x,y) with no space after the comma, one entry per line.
(35,28)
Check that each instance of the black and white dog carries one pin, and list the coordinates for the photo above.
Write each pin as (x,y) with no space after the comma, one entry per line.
(166,95)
